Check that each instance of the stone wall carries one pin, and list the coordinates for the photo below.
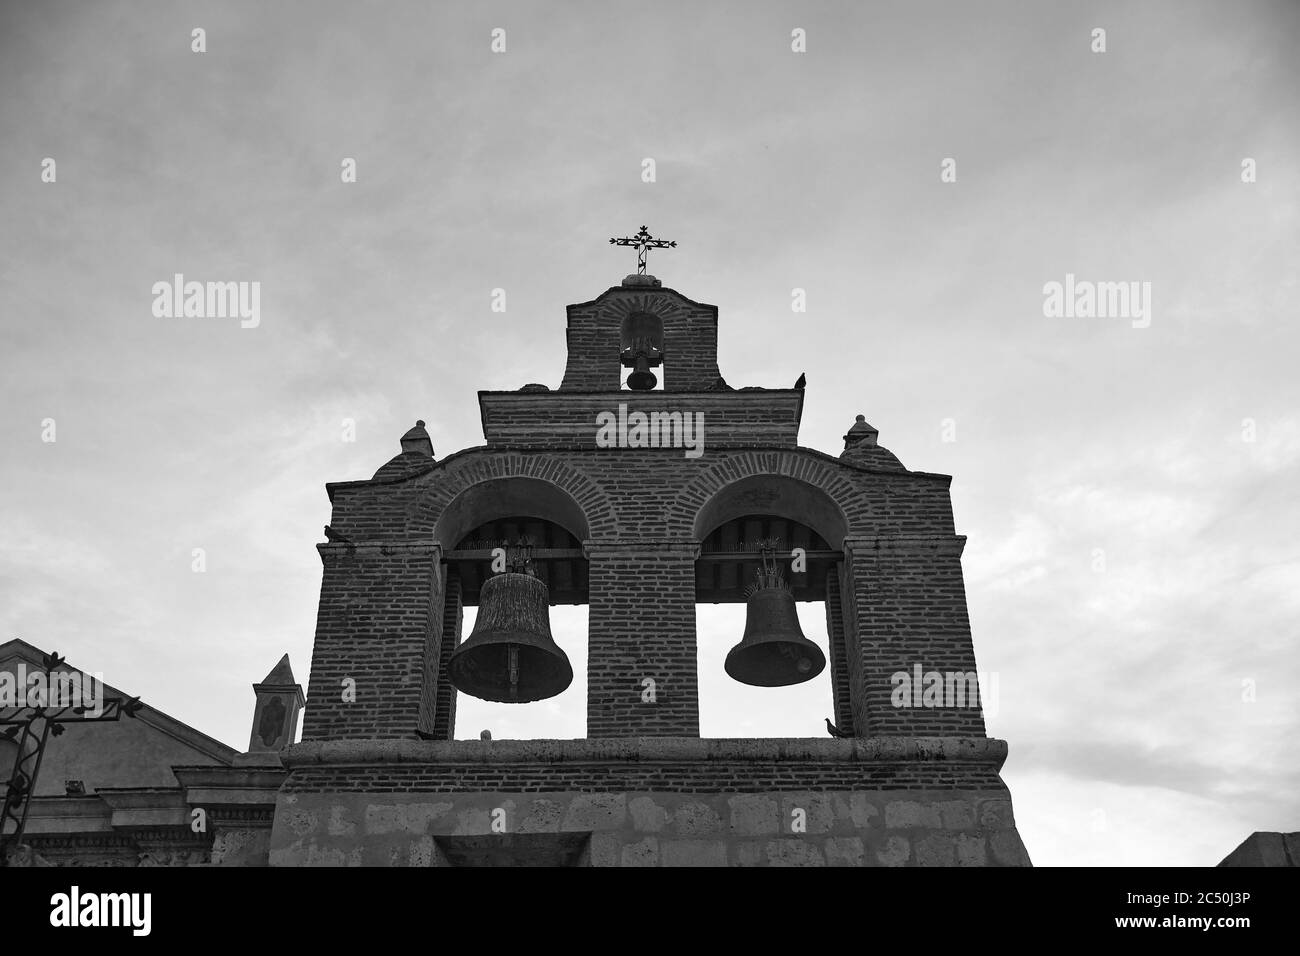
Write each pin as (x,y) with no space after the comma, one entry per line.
(650,802)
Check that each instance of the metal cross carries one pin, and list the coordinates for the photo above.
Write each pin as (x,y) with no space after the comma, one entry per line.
(31,727)
(643,242)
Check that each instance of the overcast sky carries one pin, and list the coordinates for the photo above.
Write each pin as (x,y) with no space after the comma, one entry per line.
(1133,558)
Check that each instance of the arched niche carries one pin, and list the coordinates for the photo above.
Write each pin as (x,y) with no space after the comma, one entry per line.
(641,327)
(780,495)
(499,498)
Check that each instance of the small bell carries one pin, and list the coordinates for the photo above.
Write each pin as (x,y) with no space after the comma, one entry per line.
(773,651)
(511,657)
(642,379)
(641,356)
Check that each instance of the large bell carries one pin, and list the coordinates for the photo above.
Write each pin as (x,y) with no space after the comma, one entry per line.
(511,657)
(773,652)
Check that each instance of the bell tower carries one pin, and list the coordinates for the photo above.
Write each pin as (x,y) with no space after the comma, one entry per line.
(643,485)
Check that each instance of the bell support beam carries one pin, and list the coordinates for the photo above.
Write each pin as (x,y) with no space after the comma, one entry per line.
(905,613)
(385,595)
(641,666)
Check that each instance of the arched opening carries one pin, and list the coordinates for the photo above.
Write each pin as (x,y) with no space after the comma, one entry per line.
(491,515)
(795,500)
(505,497)
(641,351)
(807,530)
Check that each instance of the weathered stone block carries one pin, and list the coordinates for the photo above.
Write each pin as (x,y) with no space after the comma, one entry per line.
(956,814)
(474,821)
(818,812)
(299,820)
(421,852)
(937,849)
(1007,849)
(542,816)
(754,814)
(647,815)
(996,814)
(905,814)
(604,849)
(642,853)
(970,850)
(596,811)
(693,853)
(894,852)
(863,812)
(696,819)
(340,822)
(844,851)
(749,853)
(793,852)
(241,846)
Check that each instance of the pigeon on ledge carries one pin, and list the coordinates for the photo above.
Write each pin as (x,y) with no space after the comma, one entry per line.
(835,731)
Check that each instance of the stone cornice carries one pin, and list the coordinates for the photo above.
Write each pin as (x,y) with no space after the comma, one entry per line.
(558,450)
(650,750)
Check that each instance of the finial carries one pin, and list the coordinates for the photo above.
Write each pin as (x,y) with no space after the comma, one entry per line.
(417,441)
(861,433)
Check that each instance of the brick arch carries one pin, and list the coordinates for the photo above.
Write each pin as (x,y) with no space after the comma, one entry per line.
(664,307)
(835,506)
(563,494)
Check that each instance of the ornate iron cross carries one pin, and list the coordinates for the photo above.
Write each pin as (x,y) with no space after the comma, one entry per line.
(644,242)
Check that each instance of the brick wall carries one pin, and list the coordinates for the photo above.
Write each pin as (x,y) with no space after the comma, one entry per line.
(838,660)
(904,605)
(642,626)
(690,340)
(378,624)
(766,418)
(907,599)
(444,696)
